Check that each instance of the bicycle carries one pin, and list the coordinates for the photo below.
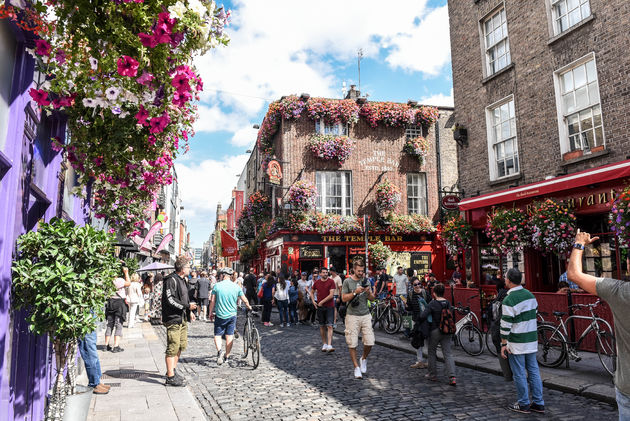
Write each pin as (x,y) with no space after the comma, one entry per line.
(384,313)
(554,348)
(540,319)
(251,337)
(467,332)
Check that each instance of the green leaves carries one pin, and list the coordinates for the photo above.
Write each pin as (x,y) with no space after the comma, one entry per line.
(63,277)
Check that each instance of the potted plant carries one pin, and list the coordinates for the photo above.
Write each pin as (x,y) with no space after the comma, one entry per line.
(552,227)
(507,230)
(388,196)
(379,253)
(457,234)
(62,277)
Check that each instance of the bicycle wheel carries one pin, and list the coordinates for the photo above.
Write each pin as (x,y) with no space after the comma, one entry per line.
(255,346)
(470,339)
(489,344)
(391,321)
(607,351)
(246,339)
(552,346)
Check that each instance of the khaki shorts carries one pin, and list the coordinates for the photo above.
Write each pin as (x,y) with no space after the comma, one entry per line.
(359,324)
(176,339)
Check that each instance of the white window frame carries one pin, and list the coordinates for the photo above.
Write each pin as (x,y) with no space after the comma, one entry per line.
(321,182)
(583,9)
(322,127)
(421,206)
(413,132)
(492,140)
(487,49)
(563,130)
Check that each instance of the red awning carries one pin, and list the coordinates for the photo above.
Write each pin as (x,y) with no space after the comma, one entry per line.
(565,182)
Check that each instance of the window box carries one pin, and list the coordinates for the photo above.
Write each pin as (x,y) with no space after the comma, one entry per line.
(573,155)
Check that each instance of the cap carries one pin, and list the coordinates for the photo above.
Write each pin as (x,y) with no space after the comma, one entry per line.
(304,273)
(228,271)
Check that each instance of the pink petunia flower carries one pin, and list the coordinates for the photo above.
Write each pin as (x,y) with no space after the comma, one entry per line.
(40,96)
(127,66)
(42,47)
(142,116)
(148,40)
(145,78)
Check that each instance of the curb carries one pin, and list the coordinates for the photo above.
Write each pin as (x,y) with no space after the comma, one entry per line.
(591,391)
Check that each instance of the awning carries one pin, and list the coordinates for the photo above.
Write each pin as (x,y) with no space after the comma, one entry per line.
(565,182)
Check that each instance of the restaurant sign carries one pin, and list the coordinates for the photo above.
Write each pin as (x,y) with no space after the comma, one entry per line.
(311,252)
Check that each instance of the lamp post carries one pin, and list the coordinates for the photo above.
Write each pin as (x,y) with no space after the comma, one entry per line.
(366,229)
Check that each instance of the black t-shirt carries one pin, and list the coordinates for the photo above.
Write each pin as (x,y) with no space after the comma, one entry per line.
(382,282)
(250,282)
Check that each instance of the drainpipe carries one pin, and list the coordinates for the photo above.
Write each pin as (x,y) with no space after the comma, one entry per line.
(438,166)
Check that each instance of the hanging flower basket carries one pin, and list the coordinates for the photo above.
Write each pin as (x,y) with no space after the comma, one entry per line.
(619,217)
(388,197)
(457,235)
(379,253)
(331,147)
(507,231)
(552,227)
(409,224)
(302,195)
(417,147)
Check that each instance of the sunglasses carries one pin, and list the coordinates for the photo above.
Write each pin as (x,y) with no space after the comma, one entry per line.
(417,285)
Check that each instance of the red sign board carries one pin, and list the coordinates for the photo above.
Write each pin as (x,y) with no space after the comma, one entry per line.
(228,244)
(274,171)
(450,202)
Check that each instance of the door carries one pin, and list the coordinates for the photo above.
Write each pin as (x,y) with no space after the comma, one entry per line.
(308,265)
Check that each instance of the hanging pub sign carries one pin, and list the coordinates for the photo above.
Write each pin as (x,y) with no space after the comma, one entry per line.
(450,202)
(311,252)
(421,261)
(274,171)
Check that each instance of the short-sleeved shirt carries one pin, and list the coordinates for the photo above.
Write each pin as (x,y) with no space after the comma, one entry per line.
(617,294)
(350,285)
(322,288)
(401,283)
(119,283)
(227,293)
(203,288)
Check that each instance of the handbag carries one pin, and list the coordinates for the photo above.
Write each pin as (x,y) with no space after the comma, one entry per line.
(260,293)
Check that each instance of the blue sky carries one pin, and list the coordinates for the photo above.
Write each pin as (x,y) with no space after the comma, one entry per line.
(282,47)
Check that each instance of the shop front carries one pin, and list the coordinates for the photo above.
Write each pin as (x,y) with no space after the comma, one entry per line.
(287,252)
(588,193)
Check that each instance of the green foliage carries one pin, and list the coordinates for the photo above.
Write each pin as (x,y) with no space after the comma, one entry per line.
(132,264)
(63,278)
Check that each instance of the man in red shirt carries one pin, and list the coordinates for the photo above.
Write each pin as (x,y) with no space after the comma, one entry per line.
(325,288)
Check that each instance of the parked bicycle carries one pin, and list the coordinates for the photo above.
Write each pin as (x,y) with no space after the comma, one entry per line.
(251,337)
(385,313)
(554,347)
(467,332)
(490,345)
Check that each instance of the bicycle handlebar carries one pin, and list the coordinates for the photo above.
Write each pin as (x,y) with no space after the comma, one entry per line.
(592,305)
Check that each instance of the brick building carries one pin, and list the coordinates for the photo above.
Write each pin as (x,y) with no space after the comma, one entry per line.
(348,189)
(541,92)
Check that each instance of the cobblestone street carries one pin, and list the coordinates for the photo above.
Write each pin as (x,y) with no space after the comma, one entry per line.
(296,381)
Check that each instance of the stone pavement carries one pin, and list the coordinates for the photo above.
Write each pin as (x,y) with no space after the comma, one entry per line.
(296,381)
(136,377)
(586,377)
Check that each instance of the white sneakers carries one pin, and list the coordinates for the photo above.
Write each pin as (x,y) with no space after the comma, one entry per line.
(363,364)
(357,373)
(327,348)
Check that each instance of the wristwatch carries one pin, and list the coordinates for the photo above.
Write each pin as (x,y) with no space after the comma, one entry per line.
(505,344)
(354,294)
(578,246)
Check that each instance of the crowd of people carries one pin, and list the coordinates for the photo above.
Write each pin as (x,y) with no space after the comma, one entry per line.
(322,298)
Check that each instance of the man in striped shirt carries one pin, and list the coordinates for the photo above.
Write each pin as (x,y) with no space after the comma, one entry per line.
(519,343)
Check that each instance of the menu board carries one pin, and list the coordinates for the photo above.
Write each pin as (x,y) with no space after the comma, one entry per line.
(421,261)
(311,252)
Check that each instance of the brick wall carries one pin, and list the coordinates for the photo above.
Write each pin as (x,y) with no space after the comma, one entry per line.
(531,82)
(384,143)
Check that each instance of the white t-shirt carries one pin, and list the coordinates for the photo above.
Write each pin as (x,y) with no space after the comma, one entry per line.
(282,294)
(401,283)
(304,286)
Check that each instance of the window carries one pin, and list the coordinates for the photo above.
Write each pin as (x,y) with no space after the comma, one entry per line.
(502,142)
(322,127)
(7,52)
(580,106)
(417,193)
(334,190)
(567,13)
(413,132)
(496,41)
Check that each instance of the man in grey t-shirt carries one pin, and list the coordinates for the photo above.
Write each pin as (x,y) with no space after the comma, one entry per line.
(617,295)
(358,318)
(402,282)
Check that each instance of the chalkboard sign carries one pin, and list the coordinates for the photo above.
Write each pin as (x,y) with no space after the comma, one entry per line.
(311,252)
(421,261)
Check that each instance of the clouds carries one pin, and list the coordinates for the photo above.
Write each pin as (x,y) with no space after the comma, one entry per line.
(438,100)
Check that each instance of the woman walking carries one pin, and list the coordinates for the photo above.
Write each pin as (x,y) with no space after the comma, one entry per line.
(293,301)
(437,337)
(282,298)
(134,294)
(116,311)
(420,332)
(155,312)
(269,291)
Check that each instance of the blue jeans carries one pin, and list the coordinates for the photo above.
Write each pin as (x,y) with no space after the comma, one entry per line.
(293,312)
(525,369)
(87,348)
(623,403)
(283,310)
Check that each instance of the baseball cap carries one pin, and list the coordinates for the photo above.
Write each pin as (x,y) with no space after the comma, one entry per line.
(304,273)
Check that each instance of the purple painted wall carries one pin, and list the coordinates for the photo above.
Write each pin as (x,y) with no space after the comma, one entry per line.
(29,191)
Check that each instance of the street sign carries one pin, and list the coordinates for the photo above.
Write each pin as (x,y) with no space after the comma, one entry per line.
(450,202)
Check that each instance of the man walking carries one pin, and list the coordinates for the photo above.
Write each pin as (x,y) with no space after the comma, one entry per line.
(324,287)
(358,318)
(251,285)
(225,295)
(176,309)
(519,343)
(203,294)
(617,296)
(401,281)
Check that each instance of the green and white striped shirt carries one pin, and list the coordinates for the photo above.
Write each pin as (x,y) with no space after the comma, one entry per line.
(518,323)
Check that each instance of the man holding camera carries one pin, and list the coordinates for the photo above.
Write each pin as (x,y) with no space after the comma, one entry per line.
(617,296)
(356,291)
(324,287)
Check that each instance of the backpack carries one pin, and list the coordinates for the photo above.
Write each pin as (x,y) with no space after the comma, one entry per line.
(447,320)
(495,308)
